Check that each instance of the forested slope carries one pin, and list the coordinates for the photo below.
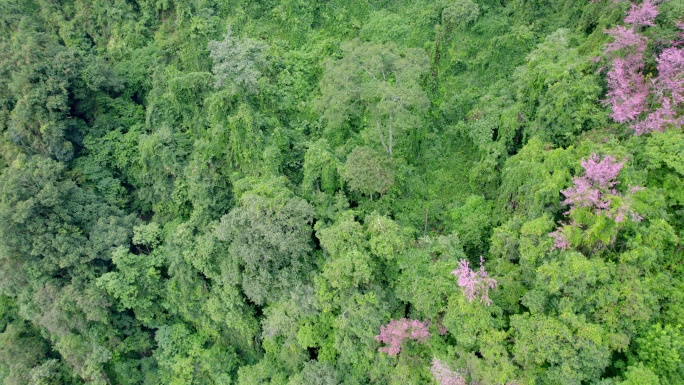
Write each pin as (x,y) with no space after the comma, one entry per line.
(341,192)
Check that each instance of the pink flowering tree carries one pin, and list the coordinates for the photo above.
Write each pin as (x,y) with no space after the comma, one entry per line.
(596,186)
(444,375)
(596,191)
(475,284)
(628,91)
(645,104)
(395,332)
(642,15)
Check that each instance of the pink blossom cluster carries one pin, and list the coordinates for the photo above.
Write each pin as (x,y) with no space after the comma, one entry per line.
(395,332)
(560,239)
(668,88)
(444,375)
(626,39)
(630,95)
(474,284)
(628,91)
(596,190)
(642,15)
(596,186)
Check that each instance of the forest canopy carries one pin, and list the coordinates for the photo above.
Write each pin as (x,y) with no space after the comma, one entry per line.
(341,192)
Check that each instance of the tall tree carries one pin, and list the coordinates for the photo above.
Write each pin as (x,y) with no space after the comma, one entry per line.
(238,62)
(270,237)
(377,87)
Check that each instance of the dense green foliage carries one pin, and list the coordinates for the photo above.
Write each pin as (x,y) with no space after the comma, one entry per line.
(244,192)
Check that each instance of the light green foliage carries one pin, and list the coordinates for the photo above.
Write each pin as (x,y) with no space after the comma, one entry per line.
(51,372)
(558,91)
(368,172)
(572,275)
(660,349)
(320,169)
(425,280)
(535,244)
(640,375)
(349,264)
(86,358)
(385,27)
(354,339)
(496,365)
(460,13)
(387,238)
(532,179)
(187,358)
(316,373)
(295,17)
(265,372)
(235,135)
(571,349)
(237,62)
(467,322)
(317,333)
(281,324)
(217,192)
(663,154)
(377,88)
(135,284)
(357,256)
(159,170)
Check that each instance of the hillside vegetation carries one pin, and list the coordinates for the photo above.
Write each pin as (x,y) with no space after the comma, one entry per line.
(323,192)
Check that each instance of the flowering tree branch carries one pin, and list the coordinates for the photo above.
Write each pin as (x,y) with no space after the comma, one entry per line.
(474,284)
(395,332)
